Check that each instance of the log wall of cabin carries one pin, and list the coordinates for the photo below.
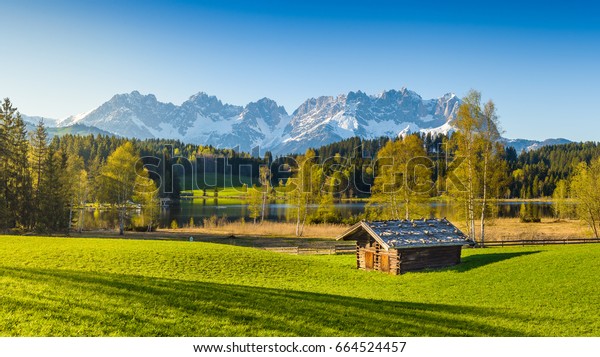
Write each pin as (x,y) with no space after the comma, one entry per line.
(363,241)
(376,257)
(414,259)
(370,255)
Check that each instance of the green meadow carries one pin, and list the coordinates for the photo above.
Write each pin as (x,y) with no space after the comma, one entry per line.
(111,287)
(229,187)
(210,180)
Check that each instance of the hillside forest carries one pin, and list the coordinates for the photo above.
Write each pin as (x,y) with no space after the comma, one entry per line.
(43,179)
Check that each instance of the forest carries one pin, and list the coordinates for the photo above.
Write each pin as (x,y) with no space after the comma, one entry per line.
(43,179)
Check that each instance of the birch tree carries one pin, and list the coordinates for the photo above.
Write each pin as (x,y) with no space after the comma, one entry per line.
(146,194)
(560,196)
(303,188)
(403,180)
(493,166)
(265,181)
(478,151)
(117,180)
(253,198)
(585,189)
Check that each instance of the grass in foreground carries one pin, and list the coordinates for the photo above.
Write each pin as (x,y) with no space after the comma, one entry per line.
(105,287)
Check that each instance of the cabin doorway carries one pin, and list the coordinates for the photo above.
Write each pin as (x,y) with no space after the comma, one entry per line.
(385,263)
(368,260)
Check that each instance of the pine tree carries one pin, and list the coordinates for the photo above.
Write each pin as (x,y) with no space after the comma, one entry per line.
(94,178)
(53,214)
(15,176)
(4,213)
(38,157)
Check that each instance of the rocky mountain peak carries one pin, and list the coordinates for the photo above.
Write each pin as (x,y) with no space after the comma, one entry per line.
(205,119)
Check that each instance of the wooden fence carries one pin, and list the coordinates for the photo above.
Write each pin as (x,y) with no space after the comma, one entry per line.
(338,249)
(351,249)
(524,242)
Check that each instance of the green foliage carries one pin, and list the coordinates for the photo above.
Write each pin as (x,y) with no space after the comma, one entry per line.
(38,156)
(117,179)
(403,180)
(529,213)
(540,170)
(254,202)
(15,174)
(333,172)
(54,194)
(350,162)
(174,224)
(325,212)
(304,188)
(562,208)
(265,181)
(585,189)
(107,287)
(477,179)
(146,194)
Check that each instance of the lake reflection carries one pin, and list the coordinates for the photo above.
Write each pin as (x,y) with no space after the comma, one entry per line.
(203,209)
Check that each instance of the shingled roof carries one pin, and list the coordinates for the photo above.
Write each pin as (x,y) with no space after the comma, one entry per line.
(410,233)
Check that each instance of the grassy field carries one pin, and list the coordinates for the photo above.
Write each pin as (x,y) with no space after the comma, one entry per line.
(549,228)
(110,287)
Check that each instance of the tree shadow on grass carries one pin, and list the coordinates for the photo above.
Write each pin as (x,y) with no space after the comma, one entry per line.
(74,303)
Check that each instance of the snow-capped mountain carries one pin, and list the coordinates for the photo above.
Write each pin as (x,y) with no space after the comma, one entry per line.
(54,130)
(528,145)
(33,120)
(323,120)
(129,115)
(204,119)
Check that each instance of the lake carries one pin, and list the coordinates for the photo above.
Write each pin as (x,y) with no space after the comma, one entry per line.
(202,209)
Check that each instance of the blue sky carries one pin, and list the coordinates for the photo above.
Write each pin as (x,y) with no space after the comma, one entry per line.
(538,61)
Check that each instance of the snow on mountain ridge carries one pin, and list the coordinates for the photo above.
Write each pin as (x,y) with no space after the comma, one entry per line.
(389,113)
(204,119)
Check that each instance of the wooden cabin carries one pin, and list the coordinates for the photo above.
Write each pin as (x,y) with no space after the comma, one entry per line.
(399,246)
